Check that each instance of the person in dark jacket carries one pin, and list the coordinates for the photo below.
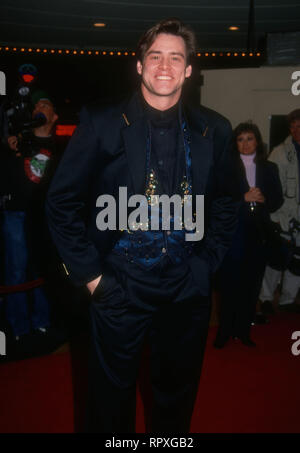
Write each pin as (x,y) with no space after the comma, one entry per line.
(145,282)
(240,276)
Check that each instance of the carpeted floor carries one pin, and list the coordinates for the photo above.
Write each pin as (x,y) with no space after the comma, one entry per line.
(246,390)
(241,390)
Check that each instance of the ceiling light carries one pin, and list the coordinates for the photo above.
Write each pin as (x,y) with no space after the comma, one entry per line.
(99,24)
(233,28)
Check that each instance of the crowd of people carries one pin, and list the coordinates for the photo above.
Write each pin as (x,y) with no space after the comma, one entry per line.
(270,190)
(149,284)
(267,226)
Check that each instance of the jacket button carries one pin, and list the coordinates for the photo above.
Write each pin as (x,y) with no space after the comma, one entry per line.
(163,250)
(168,233)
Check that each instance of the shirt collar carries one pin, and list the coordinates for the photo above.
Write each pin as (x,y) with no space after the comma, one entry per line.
(160,115)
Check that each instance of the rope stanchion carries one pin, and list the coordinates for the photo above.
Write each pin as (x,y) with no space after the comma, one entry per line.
(22,287)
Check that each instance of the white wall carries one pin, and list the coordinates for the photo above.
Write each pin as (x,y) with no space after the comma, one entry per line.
(250,94)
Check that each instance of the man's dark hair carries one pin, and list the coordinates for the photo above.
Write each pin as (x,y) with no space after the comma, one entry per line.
(293,116)
(171,26)
(250,127)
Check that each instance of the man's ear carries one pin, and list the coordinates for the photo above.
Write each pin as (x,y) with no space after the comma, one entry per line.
(139,67)
(188,71)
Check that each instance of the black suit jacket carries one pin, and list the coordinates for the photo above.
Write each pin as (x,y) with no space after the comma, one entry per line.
(108,150)
(268,181)
(254,227)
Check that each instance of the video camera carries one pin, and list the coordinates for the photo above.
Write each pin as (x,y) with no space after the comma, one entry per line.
(284,247)
(294,264)
(19,111)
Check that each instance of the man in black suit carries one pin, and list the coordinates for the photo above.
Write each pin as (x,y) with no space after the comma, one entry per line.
(145,283)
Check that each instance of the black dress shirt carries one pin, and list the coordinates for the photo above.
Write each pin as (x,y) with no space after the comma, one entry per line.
(167,157)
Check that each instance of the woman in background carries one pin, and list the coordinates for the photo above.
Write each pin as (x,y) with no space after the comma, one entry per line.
(241,273)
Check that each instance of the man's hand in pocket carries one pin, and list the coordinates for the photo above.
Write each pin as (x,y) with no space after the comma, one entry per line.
(93,284)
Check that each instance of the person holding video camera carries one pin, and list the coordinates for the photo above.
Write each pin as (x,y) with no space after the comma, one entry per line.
(27,168)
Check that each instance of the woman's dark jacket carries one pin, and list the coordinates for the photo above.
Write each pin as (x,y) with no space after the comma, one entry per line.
(254,225)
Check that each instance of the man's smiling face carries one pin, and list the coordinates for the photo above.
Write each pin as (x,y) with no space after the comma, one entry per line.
(164,69)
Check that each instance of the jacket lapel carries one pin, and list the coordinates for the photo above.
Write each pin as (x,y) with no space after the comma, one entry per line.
(243,180)
(135,140)
(201,146)
(258,175)
(135,134)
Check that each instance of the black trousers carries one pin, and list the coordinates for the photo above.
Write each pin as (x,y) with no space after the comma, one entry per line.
(130,304)
(240,281)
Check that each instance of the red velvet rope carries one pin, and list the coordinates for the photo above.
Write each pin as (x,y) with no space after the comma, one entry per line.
(22,287)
